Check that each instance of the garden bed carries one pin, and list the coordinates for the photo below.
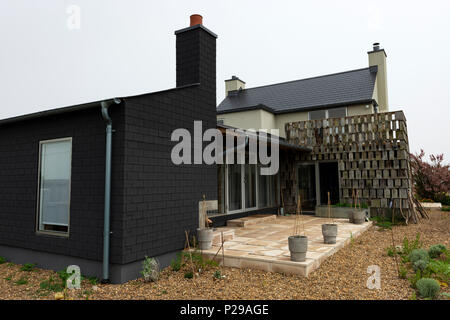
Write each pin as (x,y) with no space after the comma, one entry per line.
(342,276)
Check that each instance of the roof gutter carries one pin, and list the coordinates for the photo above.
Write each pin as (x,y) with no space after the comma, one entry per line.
(107,207)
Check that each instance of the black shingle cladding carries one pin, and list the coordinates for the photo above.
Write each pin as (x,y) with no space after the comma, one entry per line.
(153,201)
(343,88)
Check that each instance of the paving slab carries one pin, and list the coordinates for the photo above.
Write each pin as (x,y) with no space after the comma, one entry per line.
(261,242)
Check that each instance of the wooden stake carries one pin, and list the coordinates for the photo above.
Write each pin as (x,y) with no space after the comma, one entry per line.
(223,250)
(190,255)
(393,241)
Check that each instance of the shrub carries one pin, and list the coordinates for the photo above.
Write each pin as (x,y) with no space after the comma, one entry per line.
(217,274)
(443,198)
(390,251)
(420,265)
(402,272)
(189,275)
(418,254)
(431,180)
(447,209)
(2,260)
(51,285)
(150,269)
(440,269)
(21,281)
(428,288)
(436,250)
(176,263)
(93,280)
(28,267)
(199,262)
(416,277)
(64,276)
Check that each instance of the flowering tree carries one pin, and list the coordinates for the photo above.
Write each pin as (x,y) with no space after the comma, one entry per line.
(431,179)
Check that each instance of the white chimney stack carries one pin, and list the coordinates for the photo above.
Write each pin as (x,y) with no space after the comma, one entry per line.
(234,84)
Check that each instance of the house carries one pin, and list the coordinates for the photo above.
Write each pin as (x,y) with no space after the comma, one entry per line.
(357,147)
(350,93)
(64,200)
(94,185)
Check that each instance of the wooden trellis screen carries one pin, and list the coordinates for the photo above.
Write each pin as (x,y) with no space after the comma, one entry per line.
(372,152)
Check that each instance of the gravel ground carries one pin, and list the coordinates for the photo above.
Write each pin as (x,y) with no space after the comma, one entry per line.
(342,276)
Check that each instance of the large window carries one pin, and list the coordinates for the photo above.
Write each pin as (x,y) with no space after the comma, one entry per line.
(54,185)
(234,187)
(243,188)
(267,190)
(317,114)
(250,186)
(337,112)
(329,113)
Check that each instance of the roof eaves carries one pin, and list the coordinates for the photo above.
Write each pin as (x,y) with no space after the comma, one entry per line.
(324,106)
(281,141)
(52,112)
(83,106)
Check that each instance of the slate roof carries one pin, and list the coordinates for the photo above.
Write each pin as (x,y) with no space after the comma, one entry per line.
(345,88)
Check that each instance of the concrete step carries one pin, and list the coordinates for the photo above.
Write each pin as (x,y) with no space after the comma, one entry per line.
(251,220)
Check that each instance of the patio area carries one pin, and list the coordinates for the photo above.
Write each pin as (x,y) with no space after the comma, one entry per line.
(261,242)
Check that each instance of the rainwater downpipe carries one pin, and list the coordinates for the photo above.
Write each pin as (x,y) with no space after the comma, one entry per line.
(107,208)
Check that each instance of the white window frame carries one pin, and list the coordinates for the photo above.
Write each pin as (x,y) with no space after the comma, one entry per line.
(227,197)
(38,202)
(243,208)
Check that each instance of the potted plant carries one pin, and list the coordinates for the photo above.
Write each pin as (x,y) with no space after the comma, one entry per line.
(329,230)
(358,216)
(298,244)
(205,234)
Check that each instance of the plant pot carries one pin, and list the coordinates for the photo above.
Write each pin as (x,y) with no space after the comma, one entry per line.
(298,245)
(329,232)
(359,217)
(350,216)
(204,237)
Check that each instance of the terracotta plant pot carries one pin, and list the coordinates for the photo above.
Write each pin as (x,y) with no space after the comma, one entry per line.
(329,232)
(298,245)
(204,237)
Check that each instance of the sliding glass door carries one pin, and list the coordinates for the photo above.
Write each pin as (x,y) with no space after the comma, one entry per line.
(241,187)
(234,187)
(250,186)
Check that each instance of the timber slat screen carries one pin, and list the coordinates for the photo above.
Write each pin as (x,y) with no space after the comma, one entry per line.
(372,152)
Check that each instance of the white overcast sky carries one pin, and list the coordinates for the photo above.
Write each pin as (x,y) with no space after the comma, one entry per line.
(128,47)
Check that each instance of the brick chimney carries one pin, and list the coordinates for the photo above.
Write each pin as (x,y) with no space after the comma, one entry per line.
(377,57)
(196,55)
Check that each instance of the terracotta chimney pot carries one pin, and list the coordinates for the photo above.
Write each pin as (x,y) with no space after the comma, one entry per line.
(196,19)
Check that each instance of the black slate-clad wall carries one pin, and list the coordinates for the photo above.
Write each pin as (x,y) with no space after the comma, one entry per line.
(19,161)
(161,199)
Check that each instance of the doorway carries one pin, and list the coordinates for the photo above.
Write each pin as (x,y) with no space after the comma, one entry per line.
(329,182)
